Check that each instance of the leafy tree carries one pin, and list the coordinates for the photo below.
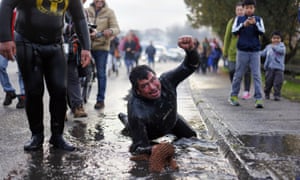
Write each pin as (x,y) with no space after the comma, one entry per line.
(277,15)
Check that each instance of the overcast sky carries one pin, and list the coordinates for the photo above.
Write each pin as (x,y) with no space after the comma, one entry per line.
(144,14)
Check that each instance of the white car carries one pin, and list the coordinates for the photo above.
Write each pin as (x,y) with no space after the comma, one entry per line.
(175,54)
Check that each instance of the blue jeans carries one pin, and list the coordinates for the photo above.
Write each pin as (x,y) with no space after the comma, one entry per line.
(245,59)
(129,64)
(4,79)
(100,57)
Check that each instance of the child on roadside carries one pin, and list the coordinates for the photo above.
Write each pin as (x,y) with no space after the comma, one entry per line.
(230,50)
(274,65)
(248,28)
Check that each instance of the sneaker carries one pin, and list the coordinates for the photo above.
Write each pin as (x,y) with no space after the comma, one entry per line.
(10,95)
(233,100)
(246,95)
(21,102)
(99,105)
(259,103)
(79,112)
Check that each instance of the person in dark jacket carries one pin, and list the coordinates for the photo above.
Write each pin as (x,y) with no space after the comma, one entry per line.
(248,28)
(152,104)
(38,47)
(150,51)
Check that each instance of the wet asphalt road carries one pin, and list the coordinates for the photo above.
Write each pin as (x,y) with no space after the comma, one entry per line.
(102,150)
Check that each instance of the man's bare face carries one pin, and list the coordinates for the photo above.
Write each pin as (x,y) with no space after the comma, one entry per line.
(149,88)
(99,3)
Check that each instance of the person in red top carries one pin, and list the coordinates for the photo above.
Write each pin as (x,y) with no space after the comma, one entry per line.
(138,48)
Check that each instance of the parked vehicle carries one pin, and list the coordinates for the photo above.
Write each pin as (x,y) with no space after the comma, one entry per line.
(175,54)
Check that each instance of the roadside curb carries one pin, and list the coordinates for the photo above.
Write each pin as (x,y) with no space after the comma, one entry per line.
(230,145)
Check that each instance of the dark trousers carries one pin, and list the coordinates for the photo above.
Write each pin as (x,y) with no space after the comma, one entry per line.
(274,79)
(73,86)
(37,63)
(182,129)
(247,75)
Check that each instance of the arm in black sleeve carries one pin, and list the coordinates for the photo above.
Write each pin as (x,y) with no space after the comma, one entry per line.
(6,12)
(192,59)
(83,35)
(80,23)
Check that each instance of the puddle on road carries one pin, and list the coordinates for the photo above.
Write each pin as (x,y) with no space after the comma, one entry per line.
(280,153)
(102,153)
(282,145)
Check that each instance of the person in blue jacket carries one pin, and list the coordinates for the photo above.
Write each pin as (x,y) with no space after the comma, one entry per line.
(248,27)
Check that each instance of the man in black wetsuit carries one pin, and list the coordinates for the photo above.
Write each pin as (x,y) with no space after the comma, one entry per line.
(152,104)
(40,55)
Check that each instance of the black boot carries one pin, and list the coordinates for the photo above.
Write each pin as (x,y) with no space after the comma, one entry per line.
(21,103)
(58,142)
(124,119)
(10,95)
(35,143)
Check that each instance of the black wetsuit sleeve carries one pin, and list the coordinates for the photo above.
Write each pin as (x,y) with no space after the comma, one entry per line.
(186,68)
(140,143)
(80,23)
(6,12)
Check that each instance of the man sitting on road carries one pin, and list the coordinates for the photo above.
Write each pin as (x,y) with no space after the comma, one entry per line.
(152,105)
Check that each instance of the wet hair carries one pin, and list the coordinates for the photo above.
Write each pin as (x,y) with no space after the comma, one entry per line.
(276,33)
(138,73)
(249,2)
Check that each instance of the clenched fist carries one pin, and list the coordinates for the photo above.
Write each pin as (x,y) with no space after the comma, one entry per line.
(186,42)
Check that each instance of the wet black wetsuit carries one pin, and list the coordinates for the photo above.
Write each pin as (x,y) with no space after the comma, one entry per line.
(39,27)
(151,119)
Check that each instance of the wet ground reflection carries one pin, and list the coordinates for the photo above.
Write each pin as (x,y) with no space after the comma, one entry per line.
(103,154)
(102,149)
(280,153)
(282,145)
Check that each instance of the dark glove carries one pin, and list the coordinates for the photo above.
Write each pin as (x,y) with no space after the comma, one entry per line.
(162,155)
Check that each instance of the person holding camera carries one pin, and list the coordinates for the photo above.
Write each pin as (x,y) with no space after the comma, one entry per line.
(101,15)
(248,28)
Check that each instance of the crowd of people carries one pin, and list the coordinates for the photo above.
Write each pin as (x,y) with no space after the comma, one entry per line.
(38,49)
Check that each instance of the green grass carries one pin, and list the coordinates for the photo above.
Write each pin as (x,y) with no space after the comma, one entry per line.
(291,90)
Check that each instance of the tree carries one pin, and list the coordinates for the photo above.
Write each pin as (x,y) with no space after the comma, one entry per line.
(277,15)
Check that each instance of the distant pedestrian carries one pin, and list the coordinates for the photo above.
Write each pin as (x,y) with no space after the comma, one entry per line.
(150,51)
(113,56)
(216,54)
(274,65)
(248,27)
(138,48)
(129,48)
(206,50)
(230,49)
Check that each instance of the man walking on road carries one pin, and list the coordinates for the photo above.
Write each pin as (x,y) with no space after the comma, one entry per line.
(40,55)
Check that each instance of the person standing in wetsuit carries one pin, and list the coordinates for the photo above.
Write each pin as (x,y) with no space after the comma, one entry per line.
(152,104)
(40,55)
